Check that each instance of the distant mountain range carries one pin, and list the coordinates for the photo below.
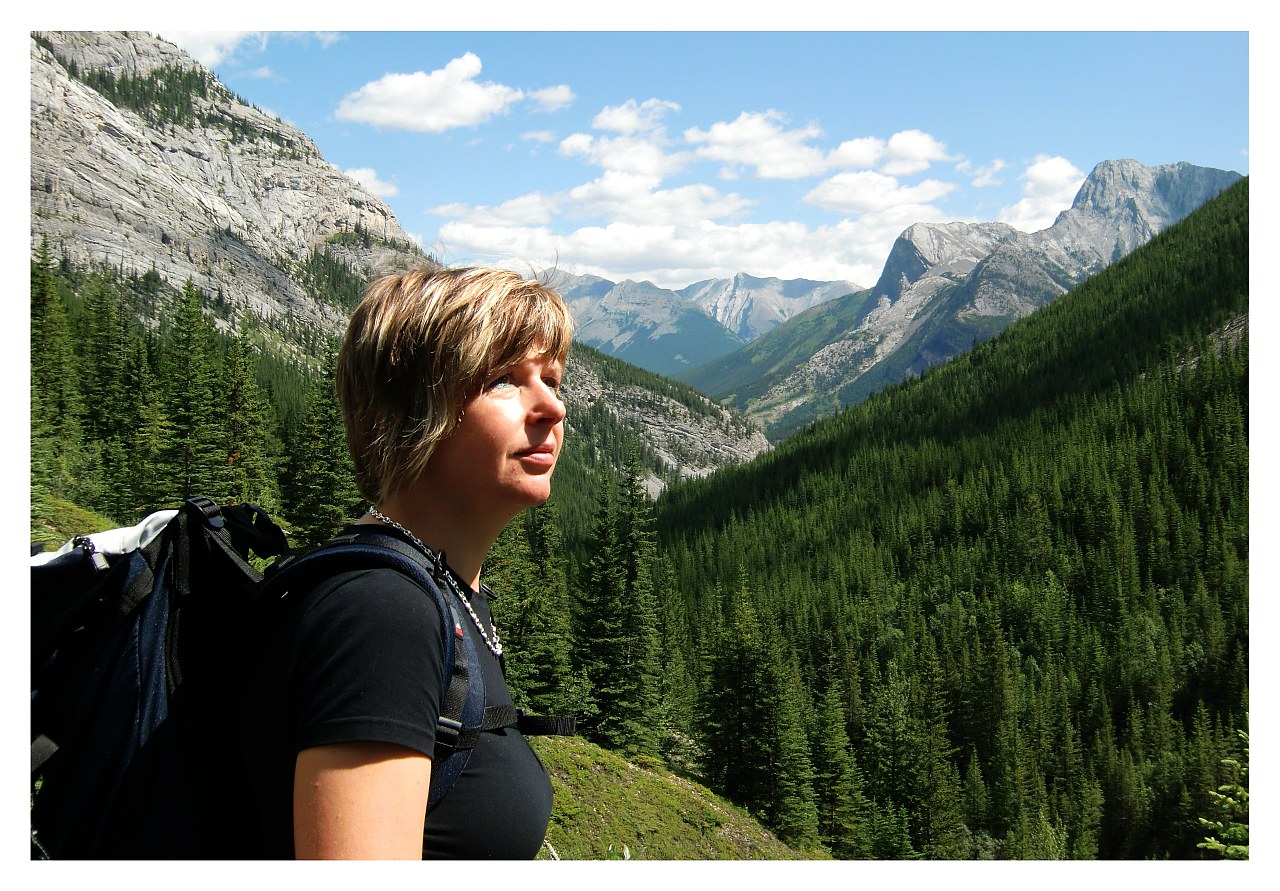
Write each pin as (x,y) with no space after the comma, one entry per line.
(671,332)
(945,287)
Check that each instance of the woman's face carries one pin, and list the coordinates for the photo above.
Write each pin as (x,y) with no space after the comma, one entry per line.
(501,455)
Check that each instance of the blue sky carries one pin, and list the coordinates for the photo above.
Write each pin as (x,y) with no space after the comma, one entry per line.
(680,156)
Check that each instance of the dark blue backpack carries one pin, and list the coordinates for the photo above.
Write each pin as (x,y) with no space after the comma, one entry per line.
(141,643)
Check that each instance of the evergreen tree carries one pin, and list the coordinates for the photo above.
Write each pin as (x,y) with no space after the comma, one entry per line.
(619,609)
(319,488)
(1230,823)
(194,458)
(793,812)
(55,378)
(251,445)
(843,810)
(525,568)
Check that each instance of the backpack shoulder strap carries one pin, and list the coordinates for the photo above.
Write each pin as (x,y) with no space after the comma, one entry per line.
(462,716)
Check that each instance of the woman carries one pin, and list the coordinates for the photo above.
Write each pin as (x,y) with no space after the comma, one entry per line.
(449,381)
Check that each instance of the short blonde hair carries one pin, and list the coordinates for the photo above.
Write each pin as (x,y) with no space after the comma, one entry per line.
(419,346)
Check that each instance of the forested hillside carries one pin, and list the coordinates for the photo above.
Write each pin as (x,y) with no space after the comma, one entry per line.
(1002,610)
(998,611)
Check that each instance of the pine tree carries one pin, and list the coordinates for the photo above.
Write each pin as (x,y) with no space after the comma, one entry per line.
(843,810)
(193,461)
(319,487)
(1230,826)
(525,568)
(793,812)
(56,379)
(619,609)
(251,443)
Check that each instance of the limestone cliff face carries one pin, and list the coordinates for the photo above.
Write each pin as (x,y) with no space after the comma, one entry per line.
(689,442)
(227,197)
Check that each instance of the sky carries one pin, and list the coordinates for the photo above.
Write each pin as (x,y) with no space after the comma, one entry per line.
(679,156)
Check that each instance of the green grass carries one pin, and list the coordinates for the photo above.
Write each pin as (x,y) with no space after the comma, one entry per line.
(608,808)
(54,522)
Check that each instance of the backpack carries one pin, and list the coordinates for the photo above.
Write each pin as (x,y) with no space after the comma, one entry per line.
(142,639)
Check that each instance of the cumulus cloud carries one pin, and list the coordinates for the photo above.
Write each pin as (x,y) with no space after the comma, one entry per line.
(635,117)
(368,177)
(760,140)
(552,98)
(866,191)
(1049,185)
(672,254)
(534,209)
(983,177)
(447,98)
(911,151)
(625,197)
(857,153)
(640,155)
(211,48)
(540,136)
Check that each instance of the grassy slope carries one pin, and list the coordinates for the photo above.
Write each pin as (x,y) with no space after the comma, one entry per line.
(605,805)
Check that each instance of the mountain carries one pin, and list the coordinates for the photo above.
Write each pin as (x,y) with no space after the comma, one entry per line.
(750,306)
(142,159)
(945,287)
(643,324)
(670,332)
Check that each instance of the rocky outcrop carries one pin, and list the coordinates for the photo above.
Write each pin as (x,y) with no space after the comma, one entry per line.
(230,197)
(689,442)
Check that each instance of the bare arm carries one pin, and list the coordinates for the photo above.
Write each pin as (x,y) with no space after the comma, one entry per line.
(360,801)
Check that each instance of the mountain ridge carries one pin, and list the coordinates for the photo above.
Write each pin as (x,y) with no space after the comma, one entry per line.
(947,286)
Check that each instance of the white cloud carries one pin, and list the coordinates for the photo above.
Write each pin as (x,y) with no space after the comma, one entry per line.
(857,153)
(865,191)
(368,177)
(447,98)
(634,117)
(674,255)
(631,198)
(534,209)
(211,48)
(552,98)
(643,156)
(540,136)
(758,139)
(911,151)
(1049,185)
(983,176)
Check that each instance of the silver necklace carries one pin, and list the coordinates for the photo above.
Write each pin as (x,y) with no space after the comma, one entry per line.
(494,645)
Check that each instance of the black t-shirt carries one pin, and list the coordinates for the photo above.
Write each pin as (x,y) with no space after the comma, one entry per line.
(360,659)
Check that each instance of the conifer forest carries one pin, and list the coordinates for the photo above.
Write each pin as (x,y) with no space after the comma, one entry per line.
(998,611)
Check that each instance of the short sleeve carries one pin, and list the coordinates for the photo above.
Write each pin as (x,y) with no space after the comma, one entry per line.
(369,663)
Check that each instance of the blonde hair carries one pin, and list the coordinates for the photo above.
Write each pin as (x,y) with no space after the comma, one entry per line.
(419,346)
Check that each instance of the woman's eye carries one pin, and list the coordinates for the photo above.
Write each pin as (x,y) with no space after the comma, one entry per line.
(500,381)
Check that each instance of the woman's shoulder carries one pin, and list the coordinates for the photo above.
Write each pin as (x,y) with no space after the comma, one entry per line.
(372,592)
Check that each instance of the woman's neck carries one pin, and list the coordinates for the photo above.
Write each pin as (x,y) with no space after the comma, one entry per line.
(460,534)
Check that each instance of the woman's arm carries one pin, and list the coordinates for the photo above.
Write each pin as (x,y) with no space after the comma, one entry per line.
(360,801)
